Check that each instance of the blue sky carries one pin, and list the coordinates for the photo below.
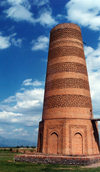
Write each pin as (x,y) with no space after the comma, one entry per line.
(24,39)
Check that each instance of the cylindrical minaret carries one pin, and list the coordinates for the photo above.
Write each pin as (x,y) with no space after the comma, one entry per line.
(67,109)
(67,93)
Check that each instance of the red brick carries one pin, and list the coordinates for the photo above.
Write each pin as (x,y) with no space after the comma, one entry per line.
(66,127)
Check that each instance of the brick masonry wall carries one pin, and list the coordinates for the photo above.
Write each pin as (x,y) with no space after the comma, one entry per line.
(66,126)
(65,51)
(67,32)
(67,83)
(66,80)
(67,67)
(49,159)
(67,100)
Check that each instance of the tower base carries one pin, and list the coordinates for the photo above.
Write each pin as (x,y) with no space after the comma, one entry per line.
(58,159)
(68,137)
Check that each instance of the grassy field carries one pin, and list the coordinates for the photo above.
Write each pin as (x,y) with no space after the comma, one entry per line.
(7,164)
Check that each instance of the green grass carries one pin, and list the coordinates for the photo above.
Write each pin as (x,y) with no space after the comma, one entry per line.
(7,164)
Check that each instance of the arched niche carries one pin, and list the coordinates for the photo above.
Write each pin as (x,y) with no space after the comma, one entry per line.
(53,143)
(77,144)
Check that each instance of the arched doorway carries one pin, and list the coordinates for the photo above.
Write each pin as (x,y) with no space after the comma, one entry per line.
(53,143)
(77,144)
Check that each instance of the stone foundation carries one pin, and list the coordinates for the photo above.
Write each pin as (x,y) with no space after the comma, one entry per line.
(58,159)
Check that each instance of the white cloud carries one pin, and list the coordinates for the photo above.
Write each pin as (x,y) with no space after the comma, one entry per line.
(22,112)
(23,102)
(9,99)
(16,42)
(21,11)
(85,13)
(46,18)
(28,102)
(4,42)
(25,3)
(40,2)
(29,82)
(93,66)
(13,2)
(40,44)
(9,117)
(7,41)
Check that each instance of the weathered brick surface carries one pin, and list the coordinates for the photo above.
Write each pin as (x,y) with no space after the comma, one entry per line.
(66,25)
(66,127)
(67,83)
(66,113)
(67,67)
(67,100)
(65,42)
(67,32)
(51,159)
(65,51)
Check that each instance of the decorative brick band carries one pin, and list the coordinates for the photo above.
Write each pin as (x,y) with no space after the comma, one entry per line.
(66,67)
(70,59)
(66,75)
(66,51)
(67,101)
(67,32)
(72,91)
(66,42)
(67,83)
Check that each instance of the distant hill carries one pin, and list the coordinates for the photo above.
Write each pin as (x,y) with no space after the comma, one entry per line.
(15,142)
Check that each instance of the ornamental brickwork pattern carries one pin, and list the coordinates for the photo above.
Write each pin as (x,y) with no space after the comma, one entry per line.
(67,83)
(67,33)
(66,67)
(66,126)
(67,101)
(67,42)
(66,51)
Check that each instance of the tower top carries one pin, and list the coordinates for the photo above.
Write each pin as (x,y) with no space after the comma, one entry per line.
(66,25)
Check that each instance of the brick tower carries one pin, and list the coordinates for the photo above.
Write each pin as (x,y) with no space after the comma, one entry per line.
(67,125)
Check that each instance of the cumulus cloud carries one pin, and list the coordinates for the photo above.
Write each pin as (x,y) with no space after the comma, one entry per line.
(4,42)
(23,102)
(18,2)
(85,13)
(93,66)
(46,18)
(19,13)
(9,117)
(40,2)
(41,43)
(21,10)
(7,41)
(23,109)
(29,82)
